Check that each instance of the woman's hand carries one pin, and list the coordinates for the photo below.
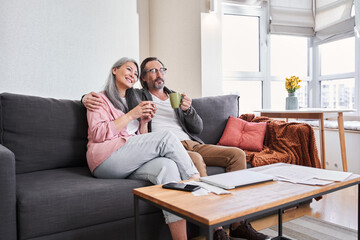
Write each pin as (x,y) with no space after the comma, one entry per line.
(92,101)
(145,110)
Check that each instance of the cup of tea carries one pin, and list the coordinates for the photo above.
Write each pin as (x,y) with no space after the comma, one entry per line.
(175,99)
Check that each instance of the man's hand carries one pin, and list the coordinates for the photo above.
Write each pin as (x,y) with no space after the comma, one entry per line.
(92,101)
(186,102)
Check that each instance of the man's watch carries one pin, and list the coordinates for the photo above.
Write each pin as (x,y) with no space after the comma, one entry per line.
(187,111)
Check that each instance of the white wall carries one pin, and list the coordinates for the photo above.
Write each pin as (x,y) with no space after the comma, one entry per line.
(175,38)
(64,48)
(211,52)
(333,152)
(144,28)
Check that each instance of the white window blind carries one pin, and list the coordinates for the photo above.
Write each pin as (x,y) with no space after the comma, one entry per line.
(292,17)
(259,3)
(323,18)
(356,12)
(333,17)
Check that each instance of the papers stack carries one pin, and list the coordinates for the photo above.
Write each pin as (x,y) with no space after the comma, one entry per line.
(305,175)
(206,188)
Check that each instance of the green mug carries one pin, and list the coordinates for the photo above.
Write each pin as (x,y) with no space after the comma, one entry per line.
(175,99)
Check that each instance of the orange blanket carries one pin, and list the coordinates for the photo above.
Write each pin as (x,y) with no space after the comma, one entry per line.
(284,142)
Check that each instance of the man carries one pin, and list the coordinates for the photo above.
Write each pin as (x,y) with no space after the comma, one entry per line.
(185,123)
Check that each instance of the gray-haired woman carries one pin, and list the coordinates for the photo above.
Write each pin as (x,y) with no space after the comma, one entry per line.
(120,147)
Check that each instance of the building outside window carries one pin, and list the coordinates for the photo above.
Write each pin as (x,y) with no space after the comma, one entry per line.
(337,73)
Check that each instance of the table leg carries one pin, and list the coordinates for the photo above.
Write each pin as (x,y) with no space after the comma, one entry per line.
(280,236)
(280,223)
(210,233)
(136,213)
(342,140)
(322,141)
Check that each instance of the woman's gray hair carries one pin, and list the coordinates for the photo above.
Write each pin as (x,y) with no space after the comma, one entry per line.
(112,93)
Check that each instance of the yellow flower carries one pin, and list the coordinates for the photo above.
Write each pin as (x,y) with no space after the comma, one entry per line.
(292,83)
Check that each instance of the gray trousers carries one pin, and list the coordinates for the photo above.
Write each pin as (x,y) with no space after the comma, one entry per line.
(157,157)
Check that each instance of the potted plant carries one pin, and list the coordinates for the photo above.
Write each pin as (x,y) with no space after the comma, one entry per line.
(291,85)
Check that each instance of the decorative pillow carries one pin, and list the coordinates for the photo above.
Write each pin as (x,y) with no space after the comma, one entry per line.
(243,134)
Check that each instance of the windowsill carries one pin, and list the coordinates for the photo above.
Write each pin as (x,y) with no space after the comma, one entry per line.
(352,126)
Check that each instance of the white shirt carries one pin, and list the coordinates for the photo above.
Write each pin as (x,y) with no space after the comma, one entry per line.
(165,119)
(133,126)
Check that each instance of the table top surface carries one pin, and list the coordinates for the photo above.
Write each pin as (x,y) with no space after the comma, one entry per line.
(213,209)
(306,110)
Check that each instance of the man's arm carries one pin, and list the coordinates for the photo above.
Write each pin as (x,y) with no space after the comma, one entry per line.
(193,121)
(91,101)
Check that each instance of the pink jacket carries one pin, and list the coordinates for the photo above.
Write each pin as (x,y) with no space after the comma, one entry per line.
(103,137)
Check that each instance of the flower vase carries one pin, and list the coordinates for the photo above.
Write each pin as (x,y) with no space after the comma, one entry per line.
(292,102)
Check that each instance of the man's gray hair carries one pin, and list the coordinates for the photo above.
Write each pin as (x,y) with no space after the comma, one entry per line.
(112,93)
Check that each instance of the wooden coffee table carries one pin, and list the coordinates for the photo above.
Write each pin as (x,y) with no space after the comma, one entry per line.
(211,211)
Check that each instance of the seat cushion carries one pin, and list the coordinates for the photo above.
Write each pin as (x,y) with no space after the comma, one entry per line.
(71,198)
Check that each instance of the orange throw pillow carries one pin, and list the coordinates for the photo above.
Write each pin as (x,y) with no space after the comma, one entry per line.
(242,134)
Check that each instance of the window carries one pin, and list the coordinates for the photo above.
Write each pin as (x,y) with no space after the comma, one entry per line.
(244,59)
(250,93)
(338,57)
(289,56)
(255,63)
(337,78)
(240,43)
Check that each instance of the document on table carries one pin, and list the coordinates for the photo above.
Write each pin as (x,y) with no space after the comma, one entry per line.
(206,188)
(305,175)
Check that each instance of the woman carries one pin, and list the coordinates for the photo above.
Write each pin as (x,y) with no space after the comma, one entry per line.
(118,147)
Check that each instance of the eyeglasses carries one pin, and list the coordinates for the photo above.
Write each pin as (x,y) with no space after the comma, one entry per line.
(154,70)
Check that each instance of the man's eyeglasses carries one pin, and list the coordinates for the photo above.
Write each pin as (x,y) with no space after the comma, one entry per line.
(154,70)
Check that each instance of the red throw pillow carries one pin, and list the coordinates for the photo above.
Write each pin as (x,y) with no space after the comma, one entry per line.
(243,134)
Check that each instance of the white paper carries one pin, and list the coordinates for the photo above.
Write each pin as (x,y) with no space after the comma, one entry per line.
(312,181)
(210,188)
(305,175)
(200,192)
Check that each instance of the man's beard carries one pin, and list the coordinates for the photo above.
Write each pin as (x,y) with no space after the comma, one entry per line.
(159,85)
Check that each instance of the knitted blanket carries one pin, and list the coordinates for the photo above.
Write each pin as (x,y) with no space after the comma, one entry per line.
(292,143)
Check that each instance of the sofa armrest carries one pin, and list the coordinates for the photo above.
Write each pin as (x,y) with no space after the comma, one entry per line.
(8,194)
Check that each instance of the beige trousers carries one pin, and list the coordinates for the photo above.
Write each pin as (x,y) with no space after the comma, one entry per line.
(203,155)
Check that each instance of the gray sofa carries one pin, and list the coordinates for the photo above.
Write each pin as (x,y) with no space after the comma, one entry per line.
(46,189)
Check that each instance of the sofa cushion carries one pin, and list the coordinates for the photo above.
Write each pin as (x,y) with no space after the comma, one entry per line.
(215,112)
(242,134)
(51,198)
(43,133)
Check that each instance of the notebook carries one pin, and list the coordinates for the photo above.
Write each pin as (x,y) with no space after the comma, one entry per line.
(236,179)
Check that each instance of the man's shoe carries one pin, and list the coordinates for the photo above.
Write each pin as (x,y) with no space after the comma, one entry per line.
(246,232)
(221,235)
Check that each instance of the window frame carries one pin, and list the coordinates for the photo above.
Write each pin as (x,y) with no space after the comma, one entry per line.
(281,78)
(261,13)
(318,78)
(313,78)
